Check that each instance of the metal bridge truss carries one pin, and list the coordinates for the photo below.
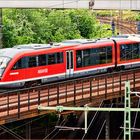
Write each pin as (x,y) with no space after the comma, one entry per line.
(127,111)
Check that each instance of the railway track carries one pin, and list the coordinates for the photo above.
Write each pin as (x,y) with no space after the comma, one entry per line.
(123,27)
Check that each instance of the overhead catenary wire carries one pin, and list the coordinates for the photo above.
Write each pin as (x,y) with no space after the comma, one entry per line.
(11,132)
(33,120)
(93,119)
(101,129)
(61,124)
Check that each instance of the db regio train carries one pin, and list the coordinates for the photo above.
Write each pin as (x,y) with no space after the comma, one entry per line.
(40,63)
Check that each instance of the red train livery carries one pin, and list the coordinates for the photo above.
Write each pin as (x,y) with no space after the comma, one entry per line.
(27,64)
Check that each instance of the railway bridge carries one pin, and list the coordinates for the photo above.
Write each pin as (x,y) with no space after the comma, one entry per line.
(22,104)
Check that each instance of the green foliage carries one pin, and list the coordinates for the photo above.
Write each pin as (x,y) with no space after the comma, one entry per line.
(23,26)
(137,16)
(85,21)
(130,15)
(106,13)
(126,14)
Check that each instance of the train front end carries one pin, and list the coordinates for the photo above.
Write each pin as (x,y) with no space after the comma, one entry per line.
(6,57)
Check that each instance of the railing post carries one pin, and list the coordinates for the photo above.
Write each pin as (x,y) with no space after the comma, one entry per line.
(82,90)
(48,95)
(18,104)
(38,99)
(90,89)
(134,76)
(57,94)
(120,82)
(98,84)
(28,100)
(105,87)
(74,92)
(66,92)
(8,104)
(113,83)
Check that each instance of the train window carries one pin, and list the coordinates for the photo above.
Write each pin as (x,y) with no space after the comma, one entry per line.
(21,63)
(32,61)
(55,58)
(79,58)
(4,62)
(135,51)
(130,51)
(122,53)
(109,54)
(59,57)
(42,60)
(51,59)
(102,55)
(86,57)
(93,56)
(48,59)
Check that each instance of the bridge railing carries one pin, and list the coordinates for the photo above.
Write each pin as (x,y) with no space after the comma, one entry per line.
(20,104)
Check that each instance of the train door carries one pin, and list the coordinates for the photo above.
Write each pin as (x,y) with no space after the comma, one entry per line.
(69,64)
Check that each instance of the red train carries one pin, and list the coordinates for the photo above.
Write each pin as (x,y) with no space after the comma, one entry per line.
(28,64)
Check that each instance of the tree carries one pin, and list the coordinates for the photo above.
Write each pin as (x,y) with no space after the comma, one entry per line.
(24,26)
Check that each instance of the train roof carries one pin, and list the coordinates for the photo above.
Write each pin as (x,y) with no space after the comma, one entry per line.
(73,42)
(132,37)
(11,52)
(78,41)
(33,46)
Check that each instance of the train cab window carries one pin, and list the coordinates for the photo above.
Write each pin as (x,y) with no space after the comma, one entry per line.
(21,63)
(4,62)
(32,61)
